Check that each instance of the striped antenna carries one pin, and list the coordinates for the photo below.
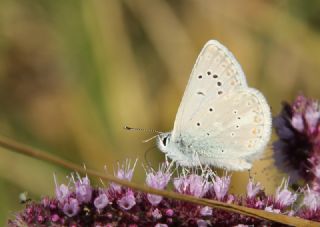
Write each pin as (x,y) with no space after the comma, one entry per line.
(141,129)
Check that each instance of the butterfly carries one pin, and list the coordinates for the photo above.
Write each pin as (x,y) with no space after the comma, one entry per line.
(221,121)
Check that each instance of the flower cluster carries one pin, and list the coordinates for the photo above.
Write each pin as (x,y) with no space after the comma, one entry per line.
(297,151)
(81,204)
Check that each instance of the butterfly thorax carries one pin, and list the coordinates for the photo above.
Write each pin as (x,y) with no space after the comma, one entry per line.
(175,148)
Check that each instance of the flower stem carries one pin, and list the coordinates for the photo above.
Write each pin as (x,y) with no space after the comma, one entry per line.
(31,152)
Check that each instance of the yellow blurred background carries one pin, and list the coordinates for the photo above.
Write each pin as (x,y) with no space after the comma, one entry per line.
(73,73)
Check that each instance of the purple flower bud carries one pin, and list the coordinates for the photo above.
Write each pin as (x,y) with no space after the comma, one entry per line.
(284,197)
(156,214)
(83,190)
(71,207)
(169,212)
(55,218)
(206,211)
(101,201)
(127,201)
(253,189)
(221,186)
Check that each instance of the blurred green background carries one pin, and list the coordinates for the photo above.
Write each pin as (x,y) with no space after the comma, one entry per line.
(73,73)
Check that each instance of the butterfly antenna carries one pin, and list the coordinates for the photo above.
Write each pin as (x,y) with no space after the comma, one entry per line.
(141,129)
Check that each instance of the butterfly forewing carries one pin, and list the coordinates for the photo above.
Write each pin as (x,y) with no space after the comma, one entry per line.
(215,74)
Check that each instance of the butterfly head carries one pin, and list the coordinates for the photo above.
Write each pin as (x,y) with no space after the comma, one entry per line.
(163,140)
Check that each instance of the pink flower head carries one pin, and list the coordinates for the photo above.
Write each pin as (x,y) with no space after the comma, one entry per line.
(284,197)
(221,186)
(193,185)
(62,191)
(71,207)
(253,188)
(298,148)
(101,201)
(83,190)
(127,201)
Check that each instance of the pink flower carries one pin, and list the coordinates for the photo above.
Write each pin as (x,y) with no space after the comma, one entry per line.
(169,212)
(71,207)
(284,197)
(154,199)
(62,191)
(157,180)
(253,189)
(311,199)
(127,201)
(221,186)
(124,172)
(101,201)
(156,214)
(193,185)
(83,190)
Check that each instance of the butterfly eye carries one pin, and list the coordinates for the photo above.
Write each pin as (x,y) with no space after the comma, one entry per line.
(165,140)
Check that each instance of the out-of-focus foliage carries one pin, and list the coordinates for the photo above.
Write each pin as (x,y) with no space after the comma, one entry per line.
(73,73)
